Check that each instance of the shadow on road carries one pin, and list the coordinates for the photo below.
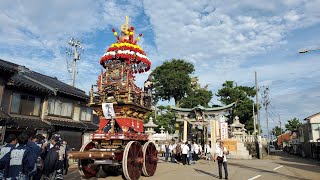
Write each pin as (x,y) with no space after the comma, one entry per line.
(205,172)
(297,162)
(266,171)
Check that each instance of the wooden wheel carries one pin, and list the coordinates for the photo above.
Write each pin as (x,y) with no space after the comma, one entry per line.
(150,156)
(87,168)
(132,160)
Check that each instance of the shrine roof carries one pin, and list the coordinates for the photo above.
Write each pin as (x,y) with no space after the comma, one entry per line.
(229,106)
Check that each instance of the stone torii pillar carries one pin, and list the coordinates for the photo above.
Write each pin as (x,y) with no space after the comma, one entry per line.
(185,127)
(198,115)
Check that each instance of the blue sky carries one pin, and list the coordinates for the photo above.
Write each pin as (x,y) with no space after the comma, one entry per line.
(225,40)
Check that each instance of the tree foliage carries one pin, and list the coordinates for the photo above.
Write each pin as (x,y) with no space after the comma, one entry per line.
(196,97)
(242,95)
(293,124)
(166,118)
(172,80)
(277,131)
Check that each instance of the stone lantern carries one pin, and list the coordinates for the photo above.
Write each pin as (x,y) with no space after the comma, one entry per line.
(237,128)
(150,128)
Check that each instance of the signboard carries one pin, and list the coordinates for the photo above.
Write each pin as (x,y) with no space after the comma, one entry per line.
(214,130)
(108,110)
(224,130)
(230,145)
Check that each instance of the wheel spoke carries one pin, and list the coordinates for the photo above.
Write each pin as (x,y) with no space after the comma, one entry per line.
(86,166)
(150,161)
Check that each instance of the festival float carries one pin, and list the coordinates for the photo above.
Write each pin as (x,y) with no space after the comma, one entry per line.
(120,143)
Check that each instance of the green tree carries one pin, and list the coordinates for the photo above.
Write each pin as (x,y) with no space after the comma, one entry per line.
(196,97)
(166,118)
(277,131)
(172,80)
(242,96)
(293,124)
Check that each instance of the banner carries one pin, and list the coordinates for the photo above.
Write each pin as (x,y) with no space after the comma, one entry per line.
(224,130)
(108,110)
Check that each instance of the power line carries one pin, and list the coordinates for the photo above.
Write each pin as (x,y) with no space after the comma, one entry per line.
(271,117)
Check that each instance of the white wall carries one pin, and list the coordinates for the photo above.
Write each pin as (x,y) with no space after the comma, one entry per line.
(86,138)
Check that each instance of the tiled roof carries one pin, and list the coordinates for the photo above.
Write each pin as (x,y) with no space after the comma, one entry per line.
(28,123)
(8,67)
(22,82)
(4,119)
(63,122)
(4,115)
(90,126)
(54,83)
(17,122)
(26,78)
(69,123)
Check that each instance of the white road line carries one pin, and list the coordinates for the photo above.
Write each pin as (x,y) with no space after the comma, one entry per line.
(277,167)
(254,177)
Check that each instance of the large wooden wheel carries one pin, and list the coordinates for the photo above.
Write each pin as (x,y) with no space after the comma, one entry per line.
(150,157)
(132,160)
(87,168)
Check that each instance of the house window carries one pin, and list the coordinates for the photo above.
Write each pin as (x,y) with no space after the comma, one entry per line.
(86,114)
(60,108)
(25,104)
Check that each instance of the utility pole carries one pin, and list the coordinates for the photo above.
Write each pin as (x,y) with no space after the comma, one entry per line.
(254,119)
(258,117)
(74,52)
(257,102)
(280,132)
(266,102)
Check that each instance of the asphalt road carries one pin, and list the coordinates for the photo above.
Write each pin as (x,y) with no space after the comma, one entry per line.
(276,167)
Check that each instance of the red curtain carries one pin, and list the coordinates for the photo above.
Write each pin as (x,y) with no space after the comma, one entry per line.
(103,123)
(129,122)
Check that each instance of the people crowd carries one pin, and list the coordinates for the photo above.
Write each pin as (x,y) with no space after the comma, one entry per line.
(31,156)
(190,152)
(181,152)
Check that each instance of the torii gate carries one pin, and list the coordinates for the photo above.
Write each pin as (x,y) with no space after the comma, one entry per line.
(199,116)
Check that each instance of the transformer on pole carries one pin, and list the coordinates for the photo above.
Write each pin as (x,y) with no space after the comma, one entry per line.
(73,51)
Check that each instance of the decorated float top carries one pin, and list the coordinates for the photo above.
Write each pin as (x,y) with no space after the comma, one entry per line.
(126,48)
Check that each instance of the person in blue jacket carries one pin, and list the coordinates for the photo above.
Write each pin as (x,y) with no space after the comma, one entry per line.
(32,142)
(11,143)
(53,163)
(21,160)
(39,140)
(35,148)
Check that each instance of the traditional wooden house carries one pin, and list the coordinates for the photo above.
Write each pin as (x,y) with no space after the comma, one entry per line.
(30,100)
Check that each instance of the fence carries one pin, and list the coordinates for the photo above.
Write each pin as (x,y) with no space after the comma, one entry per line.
(245,138)
(248,139)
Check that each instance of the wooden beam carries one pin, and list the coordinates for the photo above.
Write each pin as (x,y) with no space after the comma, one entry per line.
(90,155)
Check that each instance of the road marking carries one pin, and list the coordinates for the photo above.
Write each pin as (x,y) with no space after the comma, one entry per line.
(254,177)
(277,167)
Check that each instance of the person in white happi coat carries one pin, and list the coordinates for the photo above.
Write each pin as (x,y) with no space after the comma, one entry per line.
(185,152)
(220,155)
(195,150)
(21,160)
(11,142)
